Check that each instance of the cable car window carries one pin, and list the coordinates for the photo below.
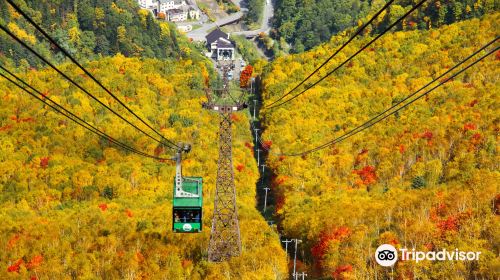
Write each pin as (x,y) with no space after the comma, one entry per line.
(187,216)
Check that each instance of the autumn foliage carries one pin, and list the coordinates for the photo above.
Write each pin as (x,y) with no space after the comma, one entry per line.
(245,76)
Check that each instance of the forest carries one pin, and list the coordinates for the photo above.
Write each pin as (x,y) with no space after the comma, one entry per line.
(426,178)
(75,206)
(301,25)
(89,29)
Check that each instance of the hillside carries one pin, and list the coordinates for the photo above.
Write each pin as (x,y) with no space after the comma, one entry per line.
(73,206)
(426,178)
(305,24)
(88,29)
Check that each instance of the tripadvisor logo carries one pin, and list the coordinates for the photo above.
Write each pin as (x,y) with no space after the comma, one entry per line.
(387,255)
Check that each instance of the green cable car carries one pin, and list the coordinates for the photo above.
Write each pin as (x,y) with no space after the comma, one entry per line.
(187,200)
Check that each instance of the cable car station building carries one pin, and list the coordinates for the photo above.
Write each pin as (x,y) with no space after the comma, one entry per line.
(219,45)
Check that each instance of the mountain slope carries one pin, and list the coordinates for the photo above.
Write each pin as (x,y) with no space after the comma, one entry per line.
(88,29)
(74,206)
(426,178)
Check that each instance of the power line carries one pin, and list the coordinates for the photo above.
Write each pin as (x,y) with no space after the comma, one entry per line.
(369,123)
(334,54)
(58,108)
(79,86)
(351,57)
(67,54)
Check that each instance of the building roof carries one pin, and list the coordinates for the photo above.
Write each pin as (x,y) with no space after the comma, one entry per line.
(215,35)
(175,12)
(223,43)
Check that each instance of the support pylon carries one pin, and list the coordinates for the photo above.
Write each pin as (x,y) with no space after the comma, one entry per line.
(225,241)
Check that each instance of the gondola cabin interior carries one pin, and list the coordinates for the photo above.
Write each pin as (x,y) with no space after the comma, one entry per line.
(187,205)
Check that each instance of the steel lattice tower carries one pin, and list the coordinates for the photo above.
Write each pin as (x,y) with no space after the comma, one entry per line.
(225,235)
(225,241)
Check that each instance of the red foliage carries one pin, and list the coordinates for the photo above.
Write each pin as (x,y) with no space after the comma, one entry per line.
(129,213)
(44,162)
(337,274)
(363,152)
(469,126)
(281,158)
(162,16)
(367,174)
(427,135)
(15,267)
(6,127)
(473,103)
(33,277)
(280,201)
(248,145)
(240,167)
(245,76)
(476,136)
(103,206)
(497,56)
(267,144)
(453,222)
(158,150)
(35,262)
(449,224)
(319,250)
(412,24)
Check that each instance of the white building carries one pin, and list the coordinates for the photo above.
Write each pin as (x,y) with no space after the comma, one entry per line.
(166,5)
(177,15)
(151,5)
(220,46)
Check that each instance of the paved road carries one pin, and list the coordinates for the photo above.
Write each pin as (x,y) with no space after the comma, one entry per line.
(265,24)
(200,33)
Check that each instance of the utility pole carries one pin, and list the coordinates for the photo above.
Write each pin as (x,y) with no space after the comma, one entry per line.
(286,241)
(265,199)
(225,240)
(254,108)
(303,274)
(258,156)
(295,256)
(256,136)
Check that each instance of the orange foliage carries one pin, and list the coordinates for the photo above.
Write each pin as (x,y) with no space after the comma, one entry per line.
(35,262)
(469,126)
(337,274)
(240,167)
(140,257)
(267,144)
(245,76)
(402,149)
(129,213)
(367,174)
(235,118)
(321,248)
(12,241)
